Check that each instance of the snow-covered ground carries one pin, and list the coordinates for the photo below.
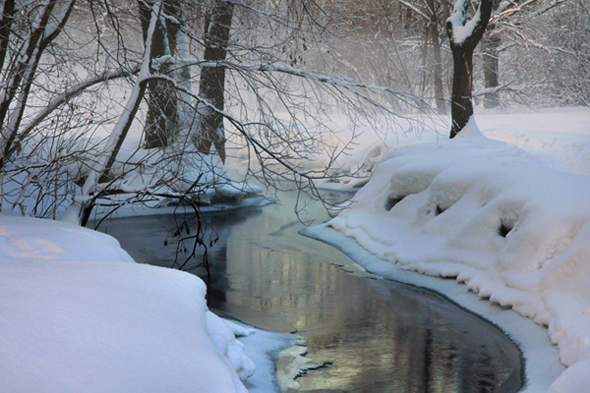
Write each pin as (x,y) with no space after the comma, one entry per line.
(506,213)
(78,315)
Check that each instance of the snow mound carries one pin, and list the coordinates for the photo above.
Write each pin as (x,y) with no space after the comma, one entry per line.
(25,237)
(223,334)
(77,316)
(493,217)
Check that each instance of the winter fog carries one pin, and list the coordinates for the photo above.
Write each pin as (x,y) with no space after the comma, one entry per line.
(249,196)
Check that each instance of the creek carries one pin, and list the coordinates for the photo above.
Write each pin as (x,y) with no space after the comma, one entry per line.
(367,334)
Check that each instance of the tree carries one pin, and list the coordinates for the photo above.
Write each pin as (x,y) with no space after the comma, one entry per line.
(68,110)
(413,26)
(464,37)
(491,67)
(43,25)
(505,21)
(209,128)
(490,59)
(436,48)
(161,123)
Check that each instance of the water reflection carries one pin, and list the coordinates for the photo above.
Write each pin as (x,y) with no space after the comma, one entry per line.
(377,335)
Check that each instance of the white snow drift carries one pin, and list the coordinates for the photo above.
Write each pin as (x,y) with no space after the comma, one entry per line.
(494,217)
(78,315)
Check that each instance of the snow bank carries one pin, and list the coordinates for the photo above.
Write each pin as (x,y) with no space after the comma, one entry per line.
(79,316)
(492,216)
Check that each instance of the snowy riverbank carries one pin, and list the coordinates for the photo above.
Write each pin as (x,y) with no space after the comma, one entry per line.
(508,219)
(513,226)
(79,315)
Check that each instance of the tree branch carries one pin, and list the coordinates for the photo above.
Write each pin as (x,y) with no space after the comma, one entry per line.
(70,94)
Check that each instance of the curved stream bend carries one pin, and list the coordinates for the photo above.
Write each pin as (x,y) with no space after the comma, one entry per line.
(371,335)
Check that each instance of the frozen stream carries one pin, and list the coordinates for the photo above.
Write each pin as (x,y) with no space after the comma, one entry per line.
(371,335)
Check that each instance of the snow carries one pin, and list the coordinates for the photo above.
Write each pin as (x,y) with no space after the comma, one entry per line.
(502,209)
(79,315)
(263,348)
(510,222)
(461,30)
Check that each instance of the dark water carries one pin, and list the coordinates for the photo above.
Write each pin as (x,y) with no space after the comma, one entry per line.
(373,335)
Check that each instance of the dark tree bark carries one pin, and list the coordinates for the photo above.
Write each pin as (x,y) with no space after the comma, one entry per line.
(462,47)
(210,130)
(162,117)
(461,105)
(5,27)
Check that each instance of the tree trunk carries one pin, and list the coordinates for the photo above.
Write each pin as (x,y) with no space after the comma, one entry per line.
(437,58)
(491,70)
(102,171)
(162,117)
(438,71)
(462,47)
(5,29)
(461,107)
(209,127)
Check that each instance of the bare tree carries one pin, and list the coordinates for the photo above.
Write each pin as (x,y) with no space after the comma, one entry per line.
(398,31)
(507,26)
(161,124)
(464,37)
(43,25)
(209,128)
(68,109)
(491,70)
(433,29)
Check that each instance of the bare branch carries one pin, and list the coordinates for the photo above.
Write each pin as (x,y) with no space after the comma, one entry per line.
(68,95)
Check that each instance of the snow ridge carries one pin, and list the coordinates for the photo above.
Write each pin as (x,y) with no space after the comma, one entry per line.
(495,218)
(79,315)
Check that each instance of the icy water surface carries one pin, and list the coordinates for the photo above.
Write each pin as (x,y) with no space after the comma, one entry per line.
(371,335)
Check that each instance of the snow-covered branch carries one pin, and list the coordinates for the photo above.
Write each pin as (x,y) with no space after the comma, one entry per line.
(463,32)
(259,146)
(101,173)
(510,8)
(491,90)
(68,95)
(415,9)
(283,69)
(119,133)
(45,29)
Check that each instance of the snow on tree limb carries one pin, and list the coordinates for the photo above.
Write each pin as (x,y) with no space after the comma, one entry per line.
(283,69)
(70,94)
(259,147)
(121,129)
(463,32)
(508,8)
(45,29)
(84,201)
(415,9)
(459,16)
